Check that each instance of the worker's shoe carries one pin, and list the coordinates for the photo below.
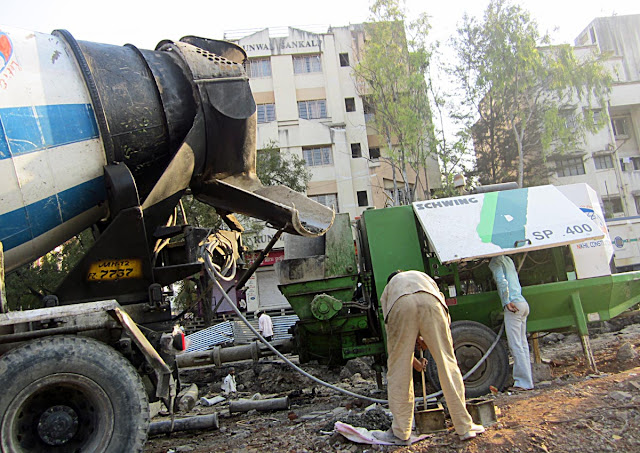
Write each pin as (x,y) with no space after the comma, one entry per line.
(388,436)
(475,430)
(515,389)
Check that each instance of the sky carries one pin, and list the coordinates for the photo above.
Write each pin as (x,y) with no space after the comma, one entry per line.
(145,23)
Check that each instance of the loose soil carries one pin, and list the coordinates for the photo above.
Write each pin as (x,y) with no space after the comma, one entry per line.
(574,410)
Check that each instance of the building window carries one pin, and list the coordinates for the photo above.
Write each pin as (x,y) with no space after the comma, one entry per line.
(350,104)
(620,127)
(344,59)
(304,64)
(330,200)
(363,200)
(369,112)
(603,162)
(630,163)
(569,120)
(374,153)
(310,110)
(356,150)
(315,157)
(402,194)
(637,200)
(266,112)
(595,113)
(570,167)
(258,67)
(612,206)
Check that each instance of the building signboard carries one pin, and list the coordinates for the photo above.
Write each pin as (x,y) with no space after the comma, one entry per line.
(297,42)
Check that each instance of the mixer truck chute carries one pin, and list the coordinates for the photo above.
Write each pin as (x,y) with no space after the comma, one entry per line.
(110,137)
(178,116)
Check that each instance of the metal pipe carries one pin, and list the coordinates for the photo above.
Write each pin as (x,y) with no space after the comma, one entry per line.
(188,398)
(33,334)
(495,187)
(273,404)
(184,424)
(219,355)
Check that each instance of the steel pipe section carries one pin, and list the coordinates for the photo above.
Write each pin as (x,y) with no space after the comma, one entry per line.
(219,355)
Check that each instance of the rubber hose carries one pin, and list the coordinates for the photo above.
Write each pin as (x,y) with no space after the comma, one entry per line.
(475,367)
(213,274)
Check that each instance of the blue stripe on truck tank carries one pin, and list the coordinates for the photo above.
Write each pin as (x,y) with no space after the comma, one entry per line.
(51,155)
(28,129)
(46,131)
(24,224)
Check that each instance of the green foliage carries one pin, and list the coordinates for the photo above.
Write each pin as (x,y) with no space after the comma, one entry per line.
(187,294)
(275,168)
(517,82)
(391,73)
(200,214)
(453,151)
(497,152)
(29,283)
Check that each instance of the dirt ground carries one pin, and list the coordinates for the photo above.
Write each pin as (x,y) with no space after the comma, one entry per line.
(572,410)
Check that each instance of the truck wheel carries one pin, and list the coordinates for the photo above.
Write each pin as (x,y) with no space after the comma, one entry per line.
(470,342)
(71,394)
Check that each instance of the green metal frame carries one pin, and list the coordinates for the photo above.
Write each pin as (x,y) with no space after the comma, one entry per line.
(337,340)
(393,240)
(553,305)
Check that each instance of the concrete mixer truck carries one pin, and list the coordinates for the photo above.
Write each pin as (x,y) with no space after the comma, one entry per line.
(110,138)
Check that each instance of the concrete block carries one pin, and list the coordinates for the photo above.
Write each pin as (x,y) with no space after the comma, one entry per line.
(482,411)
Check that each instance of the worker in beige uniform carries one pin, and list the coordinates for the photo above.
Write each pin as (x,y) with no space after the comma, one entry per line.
(414,307)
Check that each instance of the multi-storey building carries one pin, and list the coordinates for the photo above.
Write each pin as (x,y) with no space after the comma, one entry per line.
(310,104)
(610,159)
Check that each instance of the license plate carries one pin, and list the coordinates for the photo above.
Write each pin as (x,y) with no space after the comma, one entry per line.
(115,270)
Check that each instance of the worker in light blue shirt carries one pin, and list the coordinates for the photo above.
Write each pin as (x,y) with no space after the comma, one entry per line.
(515,318)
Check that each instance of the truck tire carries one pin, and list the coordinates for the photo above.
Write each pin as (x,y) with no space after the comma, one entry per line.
(71,394)
(470,342)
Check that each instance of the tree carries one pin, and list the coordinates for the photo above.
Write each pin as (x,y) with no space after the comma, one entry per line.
(275,168)
(27,285)
(512,77)
(391,72)
(453,151)
(497,151)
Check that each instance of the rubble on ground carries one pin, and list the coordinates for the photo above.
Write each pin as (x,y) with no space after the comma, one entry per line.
(570,410)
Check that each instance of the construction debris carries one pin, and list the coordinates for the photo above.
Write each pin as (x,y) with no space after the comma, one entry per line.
(184,424)
(211,401)
(273,404)
(573,411)
(188,398)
